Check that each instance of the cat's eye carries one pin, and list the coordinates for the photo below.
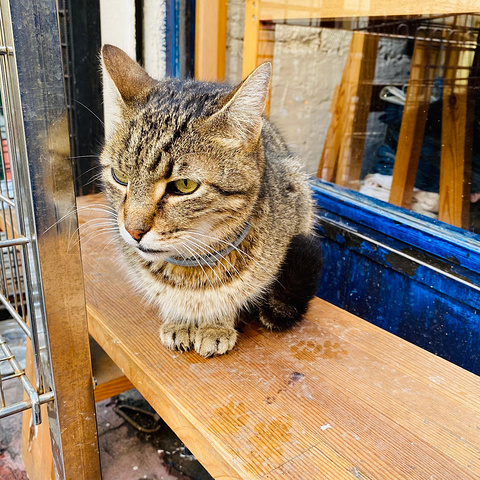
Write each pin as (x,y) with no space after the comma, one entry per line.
(119,176)
(183,186)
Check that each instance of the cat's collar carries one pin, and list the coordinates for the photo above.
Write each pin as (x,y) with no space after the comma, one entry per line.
(211,259)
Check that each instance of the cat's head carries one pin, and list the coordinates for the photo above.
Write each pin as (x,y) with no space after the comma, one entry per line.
(184,157)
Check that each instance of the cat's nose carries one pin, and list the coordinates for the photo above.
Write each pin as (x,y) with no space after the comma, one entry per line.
(136,234)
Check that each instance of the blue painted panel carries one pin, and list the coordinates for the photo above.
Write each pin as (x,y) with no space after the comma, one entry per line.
(412,276)
(180,38)
(403,258)
(173,38)
(453,244)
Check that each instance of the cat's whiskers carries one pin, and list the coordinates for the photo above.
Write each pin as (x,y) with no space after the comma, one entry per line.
(94,222)
(94,208)
(96,177)
(209,250)
(85,227)
(87,171)
(110,241)
(203,270)
(90,236)
(240,251)
(205,251)
(90,110)
(192,252)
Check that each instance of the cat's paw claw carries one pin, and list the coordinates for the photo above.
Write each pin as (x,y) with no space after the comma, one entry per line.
(210,341)
(176,337)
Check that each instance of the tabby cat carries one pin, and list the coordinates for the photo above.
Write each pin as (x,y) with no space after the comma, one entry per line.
(214,213)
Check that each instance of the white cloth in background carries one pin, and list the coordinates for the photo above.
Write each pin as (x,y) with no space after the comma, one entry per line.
(427,203)
(377,185)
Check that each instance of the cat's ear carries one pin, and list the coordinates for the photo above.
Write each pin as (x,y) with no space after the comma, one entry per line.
(242,115)
(131,81)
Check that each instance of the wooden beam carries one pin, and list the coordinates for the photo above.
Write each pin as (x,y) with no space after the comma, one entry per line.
(343,150)
(37,454)
(423,67)
(457,131)
(251,36)
(110,379)
(210,39)
(356,107)
(328,160)
(277,10)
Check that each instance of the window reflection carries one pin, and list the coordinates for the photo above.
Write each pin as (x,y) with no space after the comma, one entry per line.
(385,106)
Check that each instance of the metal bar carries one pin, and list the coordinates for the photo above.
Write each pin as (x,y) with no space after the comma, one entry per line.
(13,242)
(56,295)
(25,405)
(13,375)
(27,386)
(12,108)
(6,199)
(16,316)
(2,395)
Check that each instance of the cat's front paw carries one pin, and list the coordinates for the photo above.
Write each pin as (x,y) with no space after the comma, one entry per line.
(176,337)
(210,341)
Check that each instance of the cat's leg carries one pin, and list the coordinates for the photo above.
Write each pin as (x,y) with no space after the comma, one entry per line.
(177,335)
(207,339)
(287,299)
(215,339)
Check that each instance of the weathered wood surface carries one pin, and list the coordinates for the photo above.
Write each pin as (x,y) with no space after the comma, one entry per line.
(109,378)
(210,39)
(457,132)
(343,150)
(335,398)
(290,9)
(422,71)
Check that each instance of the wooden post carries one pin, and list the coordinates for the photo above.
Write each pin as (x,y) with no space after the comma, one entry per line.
(424,63)
(343,150)
(210,39)
(36,443)
(328,161)
(358,94)
(251,36)
(457,131)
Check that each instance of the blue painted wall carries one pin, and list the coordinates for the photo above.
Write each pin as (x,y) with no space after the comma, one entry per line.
(415,277)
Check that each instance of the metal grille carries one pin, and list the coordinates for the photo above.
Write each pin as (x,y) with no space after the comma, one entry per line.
(17,262)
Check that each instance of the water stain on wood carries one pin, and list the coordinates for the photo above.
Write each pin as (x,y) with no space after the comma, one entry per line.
(231,417)
(310,350)
(269,438)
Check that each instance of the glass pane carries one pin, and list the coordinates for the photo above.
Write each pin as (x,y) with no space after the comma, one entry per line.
(388,106)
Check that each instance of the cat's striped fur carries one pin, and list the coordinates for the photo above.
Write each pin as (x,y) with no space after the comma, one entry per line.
(217,137)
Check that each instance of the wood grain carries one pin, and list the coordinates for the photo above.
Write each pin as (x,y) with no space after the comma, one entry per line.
(357,83)
(210,39)
(457,133)
(251,36)
(342,154)
(110,379)
(335,397)
(417,103)
(36,443)
(290,9)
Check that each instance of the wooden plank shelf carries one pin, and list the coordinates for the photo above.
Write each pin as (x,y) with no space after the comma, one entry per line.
(108,377)
(335,398)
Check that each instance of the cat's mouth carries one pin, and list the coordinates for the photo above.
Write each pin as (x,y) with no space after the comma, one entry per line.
(150,250)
